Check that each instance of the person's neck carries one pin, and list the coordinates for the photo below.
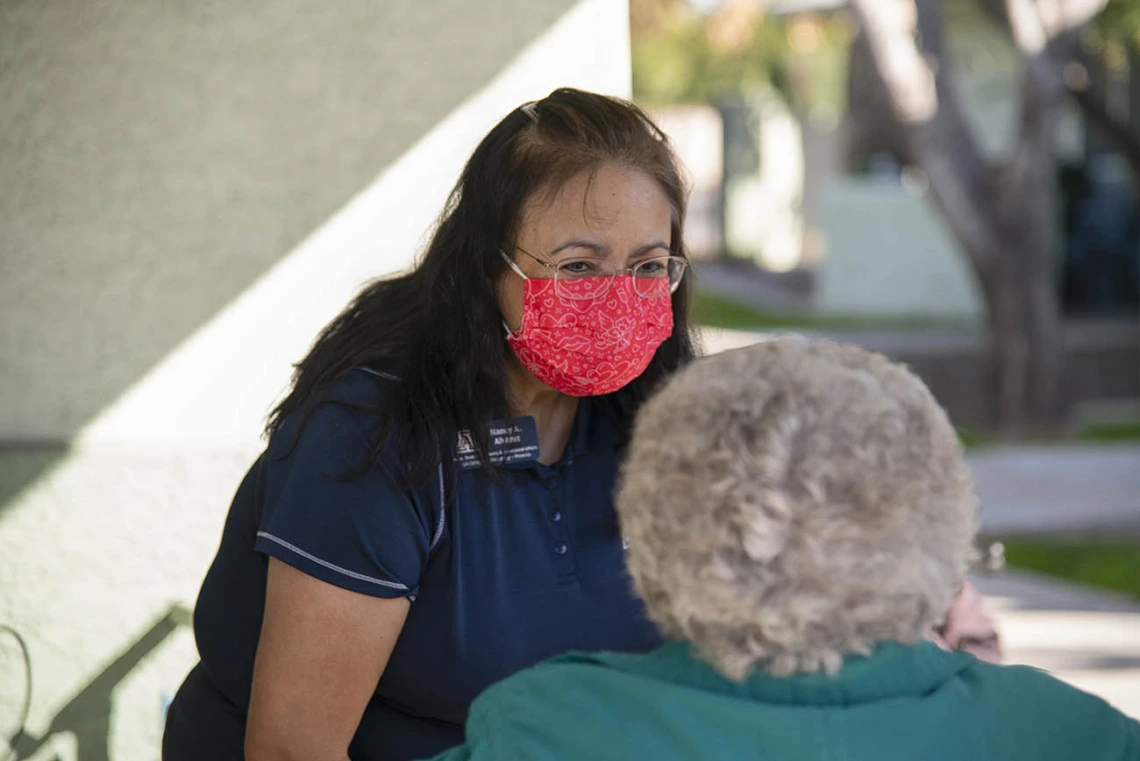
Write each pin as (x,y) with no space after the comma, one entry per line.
(553,411)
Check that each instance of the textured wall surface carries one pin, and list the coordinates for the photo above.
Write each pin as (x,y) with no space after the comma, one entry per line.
(188,191)
(157,158)
(888,252)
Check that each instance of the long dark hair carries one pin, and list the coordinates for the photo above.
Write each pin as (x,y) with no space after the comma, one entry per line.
(438,329)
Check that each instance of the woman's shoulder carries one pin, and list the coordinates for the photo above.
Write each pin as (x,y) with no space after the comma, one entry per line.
(365,386)
(345,411)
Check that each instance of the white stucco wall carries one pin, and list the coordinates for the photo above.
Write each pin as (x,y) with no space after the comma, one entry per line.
(189,194)
(763,211)
(697,135)
(889,253)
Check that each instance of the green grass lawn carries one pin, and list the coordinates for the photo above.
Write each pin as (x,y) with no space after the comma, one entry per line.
(1094,433)
(717,311)
(1113,565)
(1124,431)
(972,439)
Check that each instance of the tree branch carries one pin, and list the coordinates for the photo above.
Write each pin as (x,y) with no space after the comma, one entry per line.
(1032,165)
(1026,25)
(1055,16)
(939,139)
(1065,49)
(1096,112)
(1069,52)
(871,126)
(890,26)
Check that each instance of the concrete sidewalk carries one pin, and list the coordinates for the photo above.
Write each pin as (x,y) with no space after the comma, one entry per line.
(1071,489)
(1088,638)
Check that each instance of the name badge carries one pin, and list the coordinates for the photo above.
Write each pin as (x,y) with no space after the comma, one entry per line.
(507,444)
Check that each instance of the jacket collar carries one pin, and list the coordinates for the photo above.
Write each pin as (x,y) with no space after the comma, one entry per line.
(892,670)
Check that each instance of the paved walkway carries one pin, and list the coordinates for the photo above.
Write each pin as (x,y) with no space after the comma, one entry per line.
(1082,488)
(1086,637)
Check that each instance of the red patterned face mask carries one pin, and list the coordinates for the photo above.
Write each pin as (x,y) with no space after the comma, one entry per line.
(590,346)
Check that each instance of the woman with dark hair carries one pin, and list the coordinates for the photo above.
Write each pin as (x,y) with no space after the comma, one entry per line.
(433,510)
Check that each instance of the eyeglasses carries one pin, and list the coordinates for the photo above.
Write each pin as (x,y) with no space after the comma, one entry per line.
(585,279)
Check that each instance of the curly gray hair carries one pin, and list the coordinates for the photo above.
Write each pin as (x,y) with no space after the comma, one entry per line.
(791,503)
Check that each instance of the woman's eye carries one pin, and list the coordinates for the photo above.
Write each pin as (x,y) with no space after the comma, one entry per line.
(578,268)
(650,269)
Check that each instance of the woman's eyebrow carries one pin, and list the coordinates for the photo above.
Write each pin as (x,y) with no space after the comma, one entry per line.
(643,250)
(599,249)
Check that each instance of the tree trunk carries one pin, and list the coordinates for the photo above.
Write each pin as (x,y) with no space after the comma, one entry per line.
(1003,216)
(1027,218)
(1024,352)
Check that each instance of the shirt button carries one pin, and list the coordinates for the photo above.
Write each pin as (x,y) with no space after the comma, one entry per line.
(551,484)
(556,516)
(560,549)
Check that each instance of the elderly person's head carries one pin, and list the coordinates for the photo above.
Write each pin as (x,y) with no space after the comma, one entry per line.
(792,503)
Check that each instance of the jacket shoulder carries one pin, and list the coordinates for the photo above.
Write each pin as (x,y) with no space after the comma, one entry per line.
(1027,706)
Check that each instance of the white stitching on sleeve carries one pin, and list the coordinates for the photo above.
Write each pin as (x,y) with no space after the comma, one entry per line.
(442,513)
(378,373)
(331,566)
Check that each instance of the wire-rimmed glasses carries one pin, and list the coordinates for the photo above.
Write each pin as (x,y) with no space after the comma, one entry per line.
(589,278)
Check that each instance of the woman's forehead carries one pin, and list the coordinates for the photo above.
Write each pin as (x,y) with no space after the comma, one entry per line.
(611,205)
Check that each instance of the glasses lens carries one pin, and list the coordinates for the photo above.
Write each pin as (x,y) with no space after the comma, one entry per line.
(657,278)
(587,279)
(582,279)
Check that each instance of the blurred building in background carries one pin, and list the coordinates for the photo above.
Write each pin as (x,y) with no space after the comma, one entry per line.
(803,192)
(188,192)
(765,181)
(841,229)
(697,134)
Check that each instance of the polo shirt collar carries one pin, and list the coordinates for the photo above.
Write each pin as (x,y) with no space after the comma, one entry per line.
(593,430)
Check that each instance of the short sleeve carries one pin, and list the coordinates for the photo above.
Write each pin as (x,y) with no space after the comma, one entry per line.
(363,532)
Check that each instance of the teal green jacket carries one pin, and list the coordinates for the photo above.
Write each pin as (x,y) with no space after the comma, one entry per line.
(901,703)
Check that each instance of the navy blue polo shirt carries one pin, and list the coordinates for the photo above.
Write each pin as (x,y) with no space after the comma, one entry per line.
(508,572)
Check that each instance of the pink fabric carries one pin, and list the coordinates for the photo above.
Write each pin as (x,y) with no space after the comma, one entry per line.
(969,628)
(590,347)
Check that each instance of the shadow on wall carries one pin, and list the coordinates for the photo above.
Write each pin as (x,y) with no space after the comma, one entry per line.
(157,160)
(87,716)
(23,466)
